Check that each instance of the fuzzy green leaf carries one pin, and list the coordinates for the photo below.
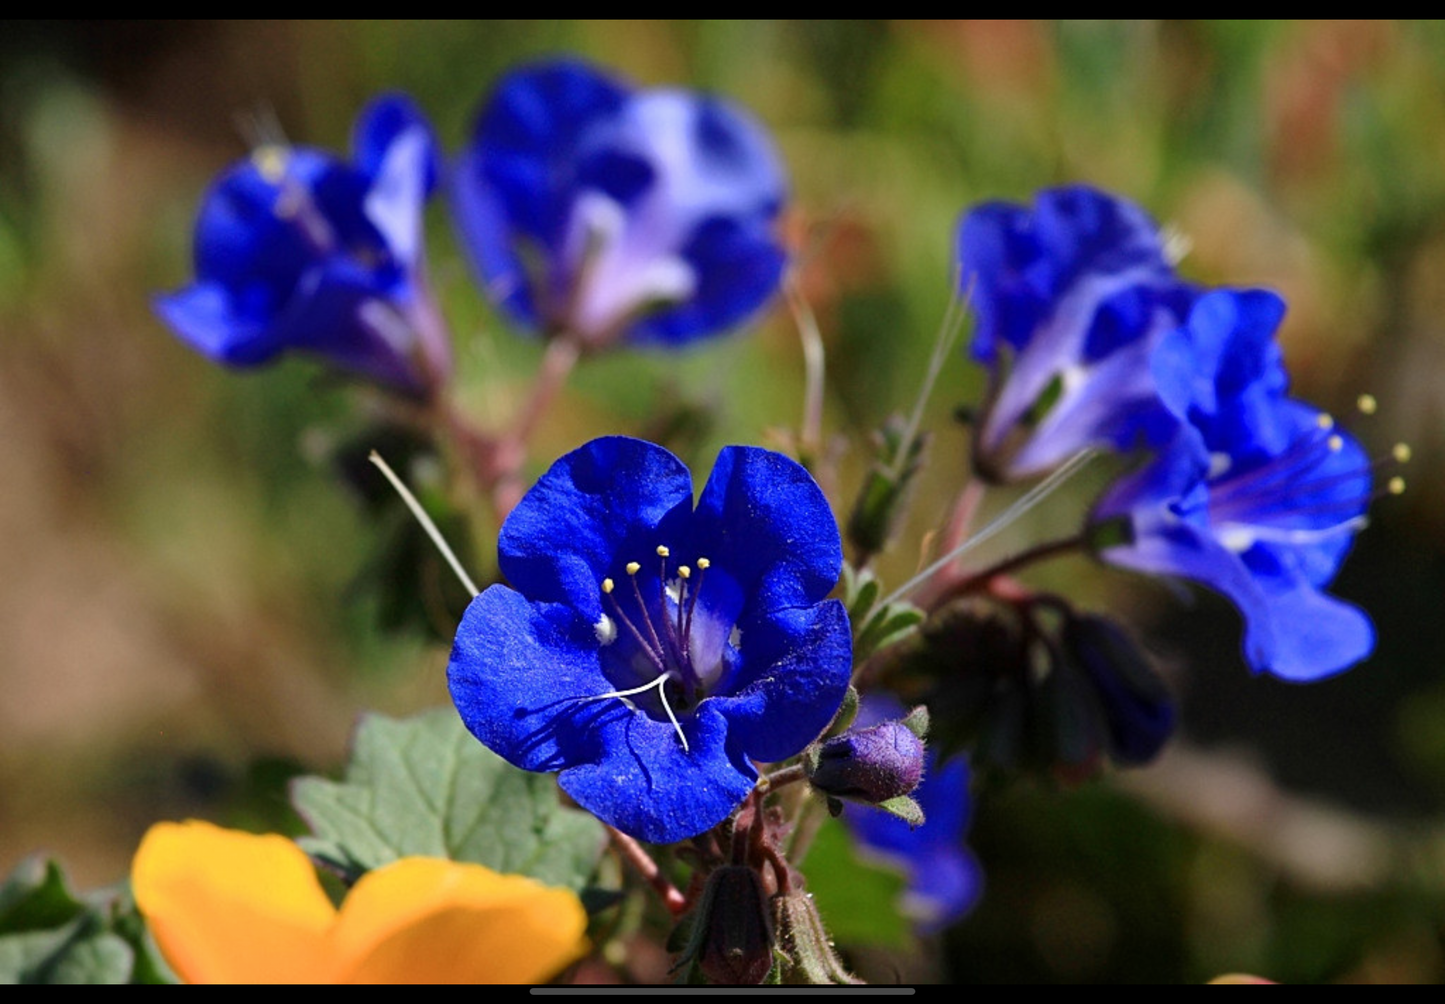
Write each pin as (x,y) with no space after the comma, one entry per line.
(425,786)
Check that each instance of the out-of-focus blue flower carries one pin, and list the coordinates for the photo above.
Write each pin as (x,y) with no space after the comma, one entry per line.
(611,214)
(650,650)
(295,249)
(944,878)
(1258,496)
(1071,297)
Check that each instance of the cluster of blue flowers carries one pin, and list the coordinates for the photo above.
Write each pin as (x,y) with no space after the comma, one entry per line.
(654,650)
(1246,490)
(591,211)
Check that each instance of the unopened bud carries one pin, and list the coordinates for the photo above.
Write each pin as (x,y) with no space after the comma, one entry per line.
(732,943)
(1138,709)
(870,765)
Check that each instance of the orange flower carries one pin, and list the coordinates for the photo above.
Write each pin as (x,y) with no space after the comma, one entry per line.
(233,907)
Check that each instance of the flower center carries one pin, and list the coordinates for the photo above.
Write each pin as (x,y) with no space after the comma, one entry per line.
(655,629)
(1304,496)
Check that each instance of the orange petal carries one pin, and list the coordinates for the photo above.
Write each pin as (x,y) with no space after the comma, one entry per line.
(427,920)
(232,907)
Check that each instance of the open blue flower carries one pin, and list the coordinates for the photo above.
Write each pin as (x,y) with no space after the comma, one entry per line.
(611,214)
(295,249)
(650,650)
(1071,297)
(1258,496)
(944,878)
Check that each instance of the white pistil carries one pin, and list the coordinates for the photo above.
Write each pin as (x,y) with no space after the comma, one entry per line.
(425,521)
(1367,404)
(660,683)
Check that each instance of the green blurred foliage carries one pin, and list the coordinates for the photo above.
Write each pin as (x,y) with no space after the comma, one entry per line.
(181,594)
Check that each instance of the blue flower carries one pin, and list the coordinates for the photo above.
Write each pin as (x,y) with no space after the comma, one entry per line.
(610,214)
(944,878)
(295,249)
(1258,495)
(1071,297)
(650,650)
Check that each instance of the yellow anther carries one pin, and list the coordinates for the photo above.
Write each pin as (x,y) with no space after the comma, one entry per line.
(270,160)
(633,567)
(1367,404)
(684,572)
(1336,444)
(607,585)
(662,551)
(1395,486)
(703,564)
(1401,453)
(1325,421)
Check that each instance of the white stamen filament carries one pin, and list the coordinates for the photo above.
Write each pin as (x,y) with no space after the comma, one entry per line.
(660,684)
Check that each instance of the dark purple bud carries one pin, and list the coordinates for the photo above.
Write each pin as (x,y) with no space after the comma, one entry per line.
(870,765)
(1137,706)
(733,944)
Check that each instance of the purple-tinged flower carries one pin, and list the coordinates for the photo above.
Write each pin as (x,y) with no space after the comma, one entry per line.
(611,214)
(1071,297)
(944,878)
(651,650)
(295,249)
(1258,496)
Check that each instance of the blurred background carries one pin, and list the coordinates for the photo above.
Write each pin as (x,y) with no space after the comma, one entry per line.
(189,606)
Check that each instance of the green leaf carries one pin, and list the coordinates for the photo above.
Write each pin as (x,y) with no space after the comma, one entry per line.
(905,809)
(35,896)
(425,786)
(858,899)
(24,958)
(100,958)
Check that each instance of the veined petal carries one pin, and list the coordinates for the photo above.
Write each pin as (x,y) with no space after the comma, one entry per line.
(428,920)
(521,675)
(233,907)
(648,785)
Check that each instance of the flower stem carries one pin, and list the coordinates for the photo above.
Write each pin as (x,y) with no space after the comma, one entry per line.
(955,532)
(810,434)
(641,862)
(980,580)
(785,776)
(560,357)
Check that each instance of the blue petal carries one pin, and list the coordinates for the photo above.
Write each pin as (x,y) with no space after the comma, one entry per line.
(202,314)
(526,139)
(767,516)
(1313,636)
(382,122)
(519,674)
(1018,263)
(738,268)
(597,507)
(648,786)
(527,680)
(397,152)
(796,667)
